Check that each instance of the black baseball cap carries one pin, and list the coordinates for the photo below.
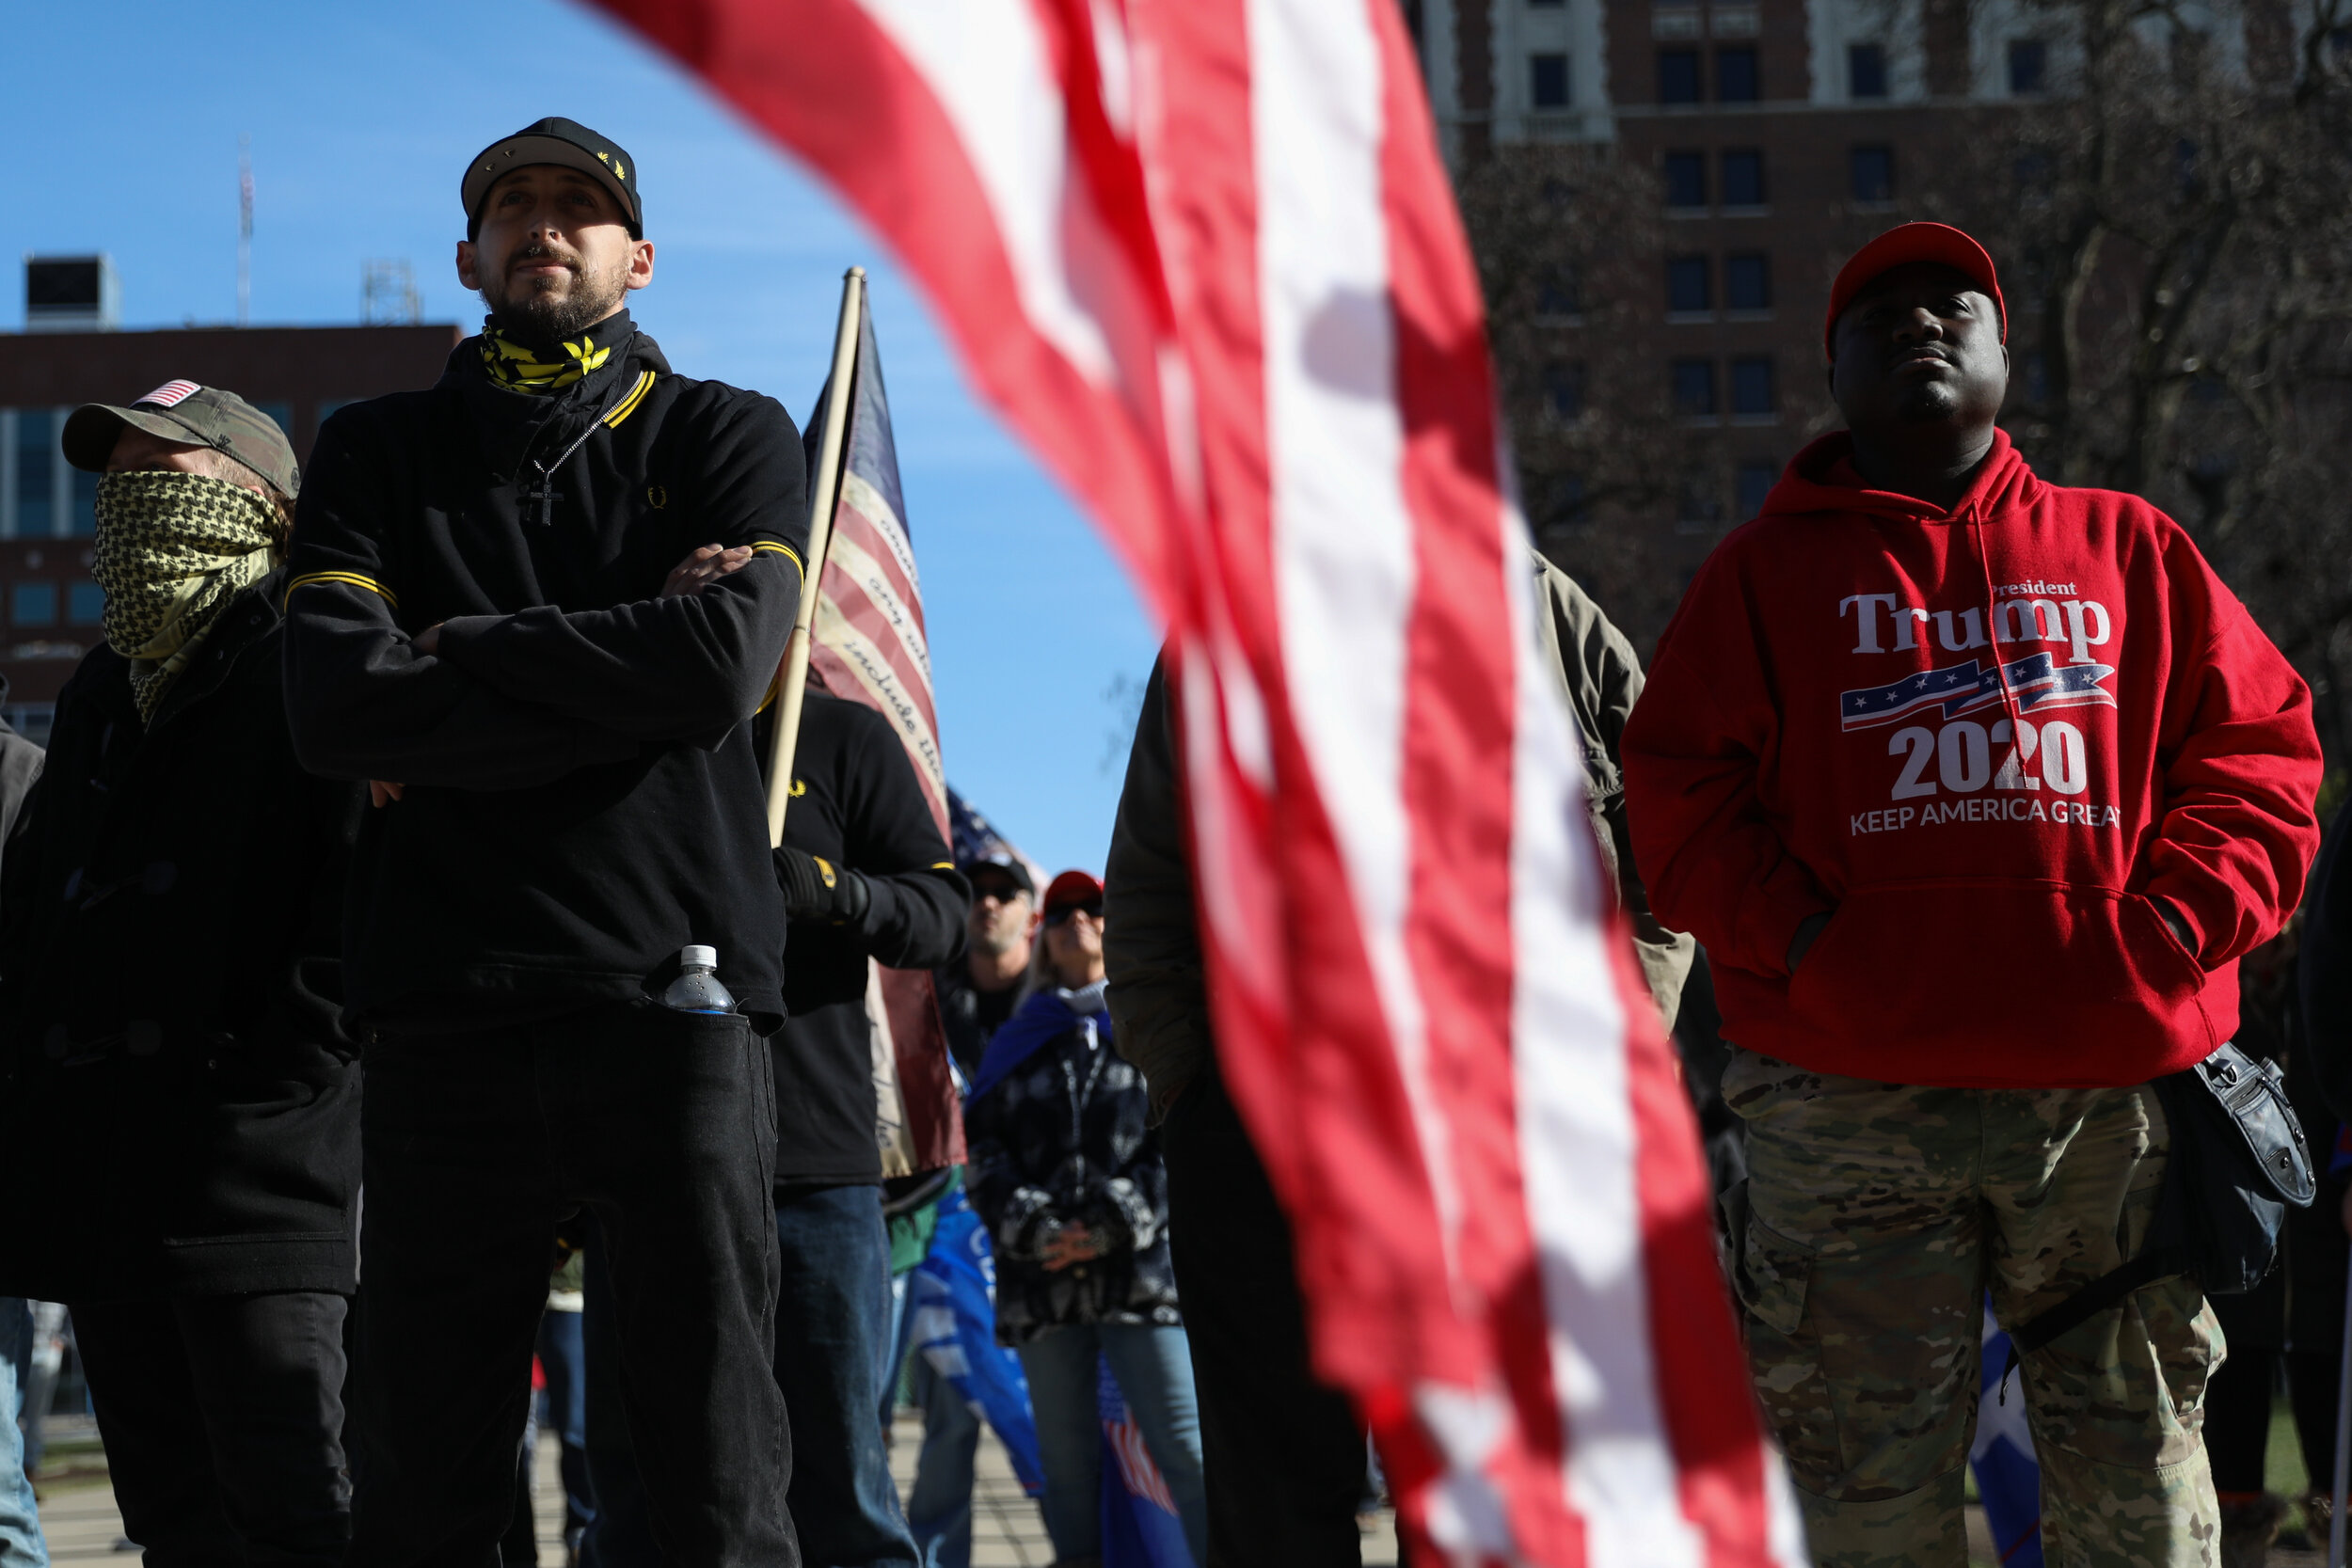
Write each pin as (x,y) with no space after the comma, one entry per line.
(1009,863)
(567,143)
(190,415)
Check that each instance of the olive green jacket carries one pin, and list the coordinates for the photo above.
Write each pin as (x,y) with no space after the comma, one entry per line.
(1151,945)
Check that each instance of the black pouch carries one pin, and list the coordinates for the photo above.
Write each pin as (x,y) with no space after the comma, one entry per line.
(2239,1160)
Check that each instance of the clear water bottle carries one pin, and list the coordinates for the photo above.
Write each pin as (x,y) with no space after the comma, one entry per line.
(697,988)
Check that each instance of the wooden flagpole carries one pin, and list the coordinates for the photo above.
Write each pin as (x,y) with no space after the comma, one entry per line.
(824,490)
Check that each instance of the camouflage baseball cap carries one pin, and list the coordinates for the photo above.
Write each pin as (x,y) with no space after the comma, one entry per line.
(191,415)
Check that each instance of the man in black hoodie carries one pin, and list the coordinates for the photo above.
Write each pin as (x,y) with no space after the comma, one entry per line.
(168,1005)
(486,623)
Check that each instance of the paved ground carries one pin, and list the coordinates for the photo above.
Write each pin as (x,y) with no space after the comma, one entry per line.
(78,1512)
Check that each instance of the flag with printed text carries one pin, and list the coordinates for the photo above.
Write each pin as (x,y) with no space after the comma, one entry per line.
(868,643)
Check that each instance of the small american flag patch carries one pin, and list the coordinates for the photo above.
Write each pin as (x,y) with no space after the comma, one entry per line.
(169,393)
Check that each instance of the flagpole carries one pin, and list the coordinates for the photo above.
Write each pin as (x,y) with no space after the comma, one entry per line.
(825,489)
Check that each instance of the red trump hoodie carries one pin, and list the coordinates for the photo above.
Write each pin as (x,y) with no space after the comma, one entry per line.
(1984,742)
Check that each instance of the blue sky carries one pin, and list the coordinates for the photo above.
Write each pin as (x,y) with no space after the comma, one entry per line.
(124,121)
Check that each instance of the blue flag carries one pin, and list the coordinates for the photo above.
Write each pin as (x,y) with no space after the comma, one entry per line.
(2008,1479)
(1140,1529)
(951,1300)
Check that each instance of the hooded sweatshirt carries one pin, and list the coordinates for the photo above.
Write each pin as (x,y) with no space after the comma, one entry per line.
(1986,743)
(582,795)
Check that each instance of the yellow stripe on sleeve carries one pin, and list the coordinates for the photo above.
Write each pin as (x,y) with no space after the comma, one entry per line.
(629,404)
(784,550)
(349,580)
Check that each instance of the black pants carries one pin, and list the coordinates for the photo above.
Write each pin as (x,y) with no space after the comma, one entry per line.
(223,1420)
(1282,1454)
(663,1125)
(2237,1414)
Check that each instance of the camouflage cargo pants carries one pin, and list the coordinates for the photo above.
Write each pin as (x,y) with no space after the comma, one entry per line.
(1877,1217)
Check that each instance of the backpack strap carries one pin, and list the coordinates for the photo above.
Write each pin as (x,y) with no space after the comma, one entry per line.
(2106,1291)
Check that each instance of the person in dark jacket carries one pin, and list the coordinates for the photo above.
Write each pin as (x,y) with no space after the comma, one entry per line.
(978,994)
(485,623)
(1285,1453)
(1066,1173)
(169,992)
(868,881)
(979,991)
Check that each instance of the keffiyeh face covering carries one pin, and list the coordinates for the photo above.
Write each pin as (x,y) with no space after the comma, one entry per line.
(172,550)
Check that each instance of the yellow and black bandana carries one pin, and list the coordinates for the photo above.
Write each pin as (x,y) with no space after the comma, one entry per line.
(521,370)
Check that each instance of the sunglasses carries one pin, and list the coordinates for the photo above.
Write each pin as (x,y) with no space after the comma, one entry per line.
(1004,893)
(1062,916)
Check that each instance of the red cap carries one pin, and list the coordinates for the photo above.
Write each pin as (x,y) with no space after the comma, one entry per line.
(1901,246)
(1071,887)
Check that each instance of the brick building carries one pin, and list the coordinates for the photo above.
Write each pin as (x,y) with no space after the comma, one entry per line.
(1782,135)
(49,606)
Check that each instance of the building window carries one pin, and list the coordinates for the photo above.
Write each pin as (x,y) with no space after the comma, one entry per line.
(1564,390)
(1752,386)
(33,604)
(1561,293)
(2029,65)
(36,450)
(1748,282)
(85,604)
(1866,70)
(1688,286)
(1756,480)
(1735,75)
(1548,81)
(84,502)
(1694,389)
(1873,171)
(1686,179)
(1743,178)
(1677,76)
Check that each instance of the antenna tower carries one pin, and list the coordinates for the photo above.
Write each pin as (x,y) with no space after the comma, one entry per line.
(244,230)
(388,294)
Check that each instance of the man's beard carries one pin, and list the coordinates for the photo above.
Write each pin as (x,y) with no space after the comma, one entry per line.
(1929,402)
(996,942)
(540,319)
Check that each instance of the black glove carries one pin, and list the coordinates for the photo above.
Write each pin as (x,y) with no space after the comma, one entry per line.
(815,889)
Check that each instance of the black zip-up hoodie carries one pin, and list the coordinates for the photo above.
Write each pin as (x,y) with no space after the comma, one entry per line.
(582,795)
(856,802)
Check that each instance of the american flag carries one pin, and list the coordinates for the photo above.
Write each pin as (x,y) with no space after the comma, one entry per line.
(169,395)
(868,644)
(1140,1526)
(2037,681)
(1205,258)
(868,641)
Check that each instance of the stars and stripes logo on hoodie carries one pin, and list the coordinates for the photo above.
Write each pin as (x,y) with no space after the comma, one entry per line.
(2037,681)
